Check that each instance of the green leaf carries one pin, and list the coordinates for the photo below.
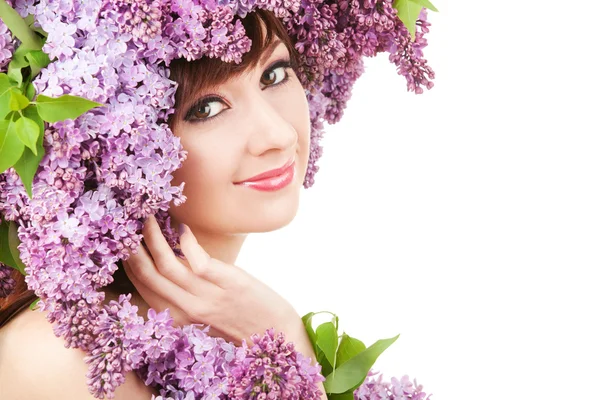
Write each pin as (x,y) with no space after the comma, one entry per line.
(13,243)
(408,12)
(426,4)
(17,63)
(18,27)
(28,131)
(31,112)
(337,321)
(326,368)
(349,347)
(5,83)
(30,91)
(5,95)
(307,320)
(5,254)
(63,107)
(11,148)
(33,304)
(327,340)
(28,164)
(17,100)
(30,20)
(37,60)
(353,372)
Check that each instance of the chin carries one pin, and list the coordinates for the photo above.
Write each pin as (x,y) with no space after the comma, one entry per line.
(272,222)
(265,214)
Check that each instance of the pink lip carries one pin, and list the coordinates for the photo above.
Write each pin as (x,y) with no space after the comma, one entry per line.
(272,180)
(269,174)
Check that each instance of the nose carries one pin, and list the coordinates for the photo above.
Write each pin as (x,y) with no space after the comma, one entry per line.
(269,127)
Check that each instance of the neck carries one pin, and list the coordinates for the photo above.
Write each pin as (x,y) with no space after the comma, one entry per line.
(223,247)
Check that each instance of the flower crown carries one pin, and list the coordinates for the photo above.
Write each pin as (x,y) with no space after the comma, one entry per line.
(86,154)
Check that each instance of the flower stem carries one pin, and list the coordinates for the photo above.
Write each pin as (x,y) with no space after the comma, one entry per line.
(19,27)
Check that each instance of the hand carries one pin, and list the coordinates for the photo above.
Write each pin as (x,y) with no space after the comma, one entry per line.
(208,291)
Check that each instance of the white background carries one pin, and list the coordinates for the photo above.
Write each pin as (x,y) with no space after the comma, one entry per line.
(467,218)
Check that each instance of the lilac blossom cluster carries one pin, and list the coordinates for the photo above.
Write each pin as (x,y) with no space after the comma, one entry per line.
(186,362)
(106,172)
(375,388)
(7,283)
(273,369)
(333,38)
(6,46)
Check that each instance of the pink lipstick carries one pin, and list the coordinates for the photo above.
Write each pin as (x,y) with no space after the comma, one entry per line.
(272,180)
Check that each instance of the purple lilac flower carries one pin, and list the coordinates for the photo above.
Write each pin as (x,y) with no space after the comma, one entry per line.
(6,46)
(374,388)
(201,366)
(106,172)
(332,39)
(197,363)
(175,394)
(7,283)
(273,369)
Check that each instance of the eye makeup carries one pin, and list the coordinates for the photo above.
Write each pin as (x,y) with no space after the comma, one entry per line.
(189,115)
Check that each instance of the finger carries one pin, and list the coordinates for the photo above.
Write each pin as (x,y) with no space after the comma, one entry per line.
(154,301)
(185,279)
(165,260)
(197,257)
(156,242)
(159,290)
(211,269)
(158,303)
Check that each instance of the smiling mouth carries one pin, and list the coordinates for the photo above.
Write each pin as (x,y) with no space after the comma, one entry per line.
(269,174)
(272,180)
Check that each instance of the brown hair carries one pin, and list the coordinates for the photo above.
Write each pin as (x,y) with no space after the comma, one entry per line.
(192,77)
(204,74)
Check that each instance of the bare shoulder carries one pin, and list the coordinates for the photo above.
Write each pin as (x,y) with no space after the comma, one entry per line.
(35,364)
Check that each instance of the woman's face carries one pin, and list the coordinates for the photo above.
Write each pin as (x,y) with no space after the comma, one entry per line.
(255,122)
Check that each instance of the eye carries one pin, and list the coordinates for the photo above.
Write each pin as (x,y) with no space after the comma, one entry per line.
(276,74)
(212,107)
(206,109)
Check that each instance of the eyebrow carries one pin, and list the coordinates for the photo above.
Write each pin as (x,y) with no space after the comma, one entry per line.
(263,58)
(269,50)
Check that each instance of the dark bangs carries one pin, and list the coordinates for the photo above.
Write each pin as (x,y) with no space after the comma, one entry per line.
(203,74)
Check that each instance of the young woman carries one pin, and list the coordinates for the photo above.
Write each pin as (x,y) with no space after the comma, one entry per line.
(236,122)
(248,131)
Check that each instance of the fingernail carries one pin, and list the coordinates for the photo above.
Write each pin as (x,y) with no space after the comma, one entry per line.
(181,228)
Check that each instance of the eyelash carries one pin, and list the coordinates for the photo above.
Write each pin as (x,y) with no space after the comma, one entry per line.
(189,117)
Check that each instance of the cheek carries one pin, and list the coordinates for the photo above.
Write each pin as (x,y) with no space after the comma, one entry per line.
(207,173)
(208,164)
(297,114)
(303,128)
